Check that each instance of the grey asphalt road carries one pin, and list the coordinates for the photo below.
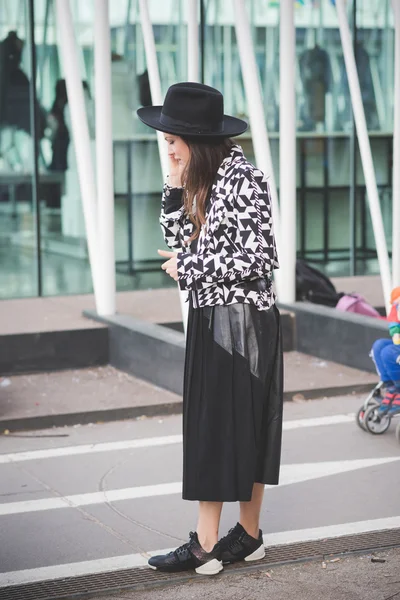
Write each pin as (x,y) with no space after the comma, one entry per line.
(101,497)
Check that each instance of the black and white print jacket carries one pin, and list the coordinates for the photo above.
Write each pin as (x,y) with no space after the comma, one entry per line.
(236,250)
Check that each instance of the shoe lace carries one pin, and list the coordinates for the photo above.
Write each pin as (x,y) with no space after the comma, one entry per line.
(185,547)
(224,539)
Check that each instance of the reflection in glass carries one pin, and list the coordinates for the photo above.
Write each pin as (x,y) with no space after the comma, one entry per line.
(17,222)
(316,78)
(324,128)
(138,178)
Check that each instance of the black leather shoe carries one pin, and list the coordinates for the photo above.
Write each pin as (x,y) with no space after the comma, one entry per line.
(239,545)
(189,556)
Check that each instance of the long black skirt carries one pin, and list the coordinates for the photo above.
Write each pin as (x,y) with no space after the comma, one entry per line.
(232,402)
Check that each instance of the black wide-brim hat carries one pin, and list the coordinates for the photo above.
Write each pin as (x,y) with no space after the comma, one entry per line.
(192,110)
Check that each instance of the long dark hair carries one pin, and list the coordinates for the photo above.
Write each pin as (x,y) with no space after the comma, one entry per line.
(199,175)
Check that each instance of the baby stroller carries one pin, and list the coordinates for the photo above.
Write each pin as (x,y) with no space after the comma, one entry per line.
(375,417)
(382,405)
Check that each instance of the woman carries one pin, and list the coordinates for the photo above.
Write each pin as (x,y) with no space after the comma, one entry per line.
(216,214)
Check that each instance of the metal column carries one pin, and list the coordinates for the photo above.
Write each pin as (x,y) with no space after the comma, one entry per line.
(155,88)
(202,39)
(127,29)
(154,75)
(353,167)
(255,105)
(43,52)
(193,40)
(80,133)
(106,300)
(365,151)
(396,150)
(35,139)
(287,150)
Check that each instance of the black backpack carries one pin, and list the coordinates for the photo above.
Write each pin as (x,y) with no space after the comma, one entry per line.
(314,286)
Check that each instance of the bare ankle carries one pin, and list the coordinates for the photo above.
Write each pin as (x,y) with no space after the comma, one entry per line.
(252,530)
(206,542)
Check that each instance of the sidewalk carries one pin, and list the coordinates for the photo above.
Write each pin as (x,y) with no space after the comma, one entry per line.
(102,393)
(369,286)
(58,313)
(162,305)
(344,578)
(105,394)
(156,306)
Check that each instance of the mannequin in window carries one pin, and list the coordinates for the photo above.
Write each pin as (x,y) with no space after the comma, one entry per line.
(316,75)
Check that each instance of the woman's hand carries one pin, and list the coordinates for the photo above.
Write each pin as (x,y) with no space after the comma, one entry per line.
(178,157)
(175,171)
(171,265)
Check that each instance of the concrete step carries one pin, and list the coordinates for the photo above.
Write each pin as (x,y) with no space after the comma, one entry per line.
(40,334)
(82,396)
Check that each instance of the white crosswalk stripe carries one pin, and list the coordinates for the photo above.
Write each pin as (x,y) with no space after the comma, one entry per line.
(152,442)
(91,449)
(295,473)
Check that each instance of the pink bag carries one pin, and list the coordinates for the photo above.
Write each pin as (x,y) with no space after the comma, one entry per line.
(356,304)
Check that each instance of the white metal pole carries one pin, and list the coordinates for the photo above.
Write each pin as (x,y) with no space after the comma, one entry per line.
(104,159)
(287,149)
(193,40)
(365,151)
(258,125)
(396,150)
(80,133)
(154,75)
(155,88)
(228,70)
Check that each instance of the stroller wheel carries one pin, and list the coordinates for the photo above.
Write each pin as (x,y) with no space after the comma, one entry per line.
(372,400)
(360,418)
(376,423)
(398,433)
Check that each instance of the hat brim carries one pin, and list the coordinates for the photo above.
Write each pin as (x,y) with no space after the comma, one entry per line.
(150,115)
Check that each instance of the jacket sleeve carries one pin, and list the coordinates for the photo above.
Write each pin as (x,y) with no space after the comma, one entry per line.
(172,217)
(254,256)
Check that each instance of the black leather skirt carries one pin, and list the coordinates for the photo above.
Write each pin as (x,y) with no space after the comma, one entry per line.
(232,404)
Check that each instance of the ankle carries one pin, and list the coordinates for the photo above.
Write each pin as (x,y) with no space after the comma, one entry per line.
(251,529)
(207,542)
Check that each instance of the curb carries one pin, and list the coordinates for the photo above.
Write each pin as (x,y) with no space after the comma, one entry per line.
(151,410)
(329,392)
(137,579)
(92,416)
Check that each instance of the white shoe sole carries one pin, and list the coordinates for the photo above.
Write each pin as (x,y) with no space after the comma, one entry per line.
(257,554)
(212,567)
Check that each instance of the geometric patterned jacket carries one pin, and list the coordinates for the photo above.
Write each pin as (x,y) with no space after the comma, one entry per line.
(236,251)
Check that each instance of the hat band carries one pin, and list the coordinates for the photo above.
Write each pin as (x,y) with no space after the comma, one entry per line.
(190,127)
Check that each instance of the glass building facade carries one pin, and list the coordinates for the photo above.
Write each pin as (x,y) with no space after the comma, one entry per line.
(43,248)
